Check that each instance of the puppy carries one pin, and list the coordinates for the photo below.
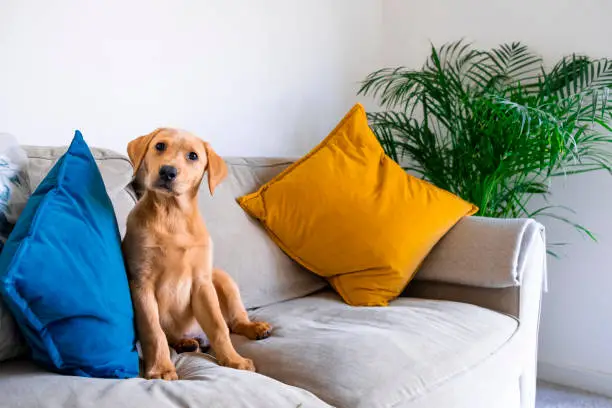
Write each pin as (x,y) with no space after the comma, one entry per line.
(169,256)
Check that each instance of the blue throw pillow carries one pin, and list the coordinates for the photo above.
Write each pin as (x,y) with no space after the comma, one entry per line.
(63,277)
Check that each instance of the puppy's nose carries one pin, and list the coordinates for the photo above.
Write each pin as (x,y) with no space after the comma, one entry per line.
(167,173)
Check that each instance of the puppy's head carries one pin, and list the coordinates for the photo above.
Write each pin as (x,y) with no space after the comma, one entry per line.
(173,162)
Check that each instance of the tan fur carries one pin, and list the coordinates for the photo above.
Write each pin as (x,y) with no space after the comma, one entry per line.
(169,256)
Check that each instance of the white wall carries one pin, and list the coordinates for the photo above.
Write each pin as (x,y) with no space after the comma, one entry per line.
(576,329)
(266,77)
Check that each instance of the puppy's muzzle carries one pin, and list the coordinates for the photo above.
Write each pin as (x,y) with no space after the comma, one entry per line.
(167,175)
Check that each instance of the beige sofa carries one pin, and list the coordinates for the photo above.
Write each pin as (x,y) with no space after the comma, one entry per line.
(463,335)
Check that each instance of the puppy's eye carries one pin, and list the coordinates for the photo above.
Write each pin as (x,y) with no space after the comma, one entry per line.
(193,156)
(160,147)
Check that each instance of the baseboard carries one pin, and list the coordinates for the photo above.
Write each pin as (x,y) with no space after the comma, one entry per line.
(577,377)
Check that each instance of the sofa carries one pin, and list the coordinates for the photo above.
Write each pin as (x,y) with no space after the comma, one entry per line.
(463,333)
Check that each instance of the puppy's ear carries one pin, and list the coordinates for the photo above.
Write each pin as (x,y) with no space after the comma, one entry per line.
(137,149)
(217,170)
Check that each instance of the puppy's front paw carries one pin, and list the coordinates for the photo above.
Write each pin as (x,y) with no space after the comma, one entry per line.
(239,363)
(162,372)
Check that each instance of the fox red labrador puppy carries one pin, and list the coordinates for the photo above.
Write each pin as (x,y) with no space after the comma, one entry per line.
(175,289)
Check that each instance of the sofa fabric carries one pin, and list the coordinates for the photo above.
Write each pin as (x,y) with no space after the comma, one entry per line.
(376,357)
(503,300)
(262,271)
(203,384)
(12,343)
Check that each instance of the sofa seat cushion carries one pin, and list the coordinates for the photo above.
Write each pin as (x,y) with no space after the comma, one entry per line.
(373,357)
(203,384)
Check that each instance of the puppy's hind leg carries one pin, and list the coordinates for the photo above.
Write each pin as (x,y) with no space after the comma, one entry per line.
(208,313)
(233,309)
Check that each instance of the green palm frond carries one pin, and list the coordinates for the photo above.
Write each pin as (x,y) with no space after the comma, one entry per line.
(505,65)
(494,126)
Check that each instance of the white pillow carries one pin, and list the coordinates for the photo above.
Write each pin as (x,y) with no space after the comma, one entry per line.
(14,185)
(14,193)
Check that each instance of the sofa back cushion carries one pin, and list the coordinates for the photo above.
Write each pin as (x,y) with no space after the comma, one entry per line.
(263,272)
(115,168)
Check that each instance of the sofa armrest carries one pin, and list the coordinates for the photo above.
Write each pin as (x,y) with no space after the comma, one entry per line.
(499,264)
(484,252)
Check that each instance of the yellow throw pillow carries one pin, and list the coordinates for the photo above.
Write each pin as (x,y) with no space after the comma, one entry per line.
(349,213)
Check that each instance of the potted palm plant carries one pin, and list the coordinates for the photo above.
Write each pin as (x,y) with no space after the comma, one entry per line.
(495,126)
